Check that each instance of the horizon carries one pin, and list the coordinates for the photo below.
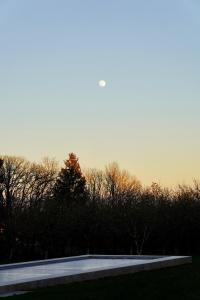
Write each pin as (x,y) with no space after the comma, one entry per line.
(53,55)
(85,168)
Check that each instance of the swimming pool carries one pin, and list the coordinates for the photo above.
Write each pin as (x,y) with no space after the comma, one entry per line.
(35,274)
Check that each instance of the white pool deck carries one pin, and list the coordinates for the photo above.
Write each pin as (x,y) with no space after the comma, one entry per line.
(30,275)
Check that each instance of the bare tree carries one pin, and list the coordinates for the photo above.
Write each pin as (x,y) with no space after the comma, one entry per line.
(95,183)
(25,182)
(119,181)
(39,182)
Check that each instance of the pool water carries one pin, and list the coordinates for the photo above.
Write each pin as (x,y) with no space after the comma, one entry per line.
(27,273)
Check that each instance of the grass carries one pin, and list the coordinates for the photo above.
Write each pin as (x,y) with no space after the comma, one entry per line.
(166,284)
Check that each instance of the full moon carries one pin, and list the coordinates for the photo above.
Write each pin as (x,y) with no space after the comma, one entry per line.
(102,83)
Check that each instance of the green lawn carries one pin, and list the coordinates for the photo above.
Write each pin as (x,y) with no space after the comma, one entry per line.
(173,283)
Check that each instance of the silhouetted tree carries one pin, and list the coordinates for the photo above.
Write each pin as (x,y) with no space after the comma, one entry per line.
(44,213)
(1,182)
(119,182)
(2,217)
(95,181)
(70,187)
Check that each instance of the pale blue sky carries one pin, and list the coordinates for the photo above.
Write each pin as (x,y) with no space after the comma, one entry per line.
(52,54)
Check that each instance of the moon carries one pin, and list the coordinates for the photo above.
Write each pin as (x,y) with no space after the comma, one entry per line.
(102,83)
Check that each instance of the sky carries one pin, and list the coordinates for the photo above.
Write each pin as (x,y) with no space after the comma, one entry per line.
(54,52)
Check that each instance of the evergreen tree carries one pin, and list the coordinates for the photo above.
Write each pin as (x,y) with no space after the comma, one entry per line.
(70,186)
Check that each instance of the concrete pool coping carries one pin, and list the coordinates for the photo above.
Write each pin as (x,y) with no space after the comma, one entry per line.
(156,262)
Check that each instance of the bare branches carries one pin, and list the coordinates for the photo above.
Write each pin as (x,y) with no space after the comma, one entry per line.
(25,182)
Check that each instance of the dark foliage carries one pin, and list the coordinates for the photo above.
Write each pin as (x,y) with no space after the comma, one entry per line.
(70,186)
(45,213)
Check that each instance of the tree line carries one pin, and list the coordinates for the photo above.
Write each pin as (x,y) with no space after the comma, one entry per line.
(46,212)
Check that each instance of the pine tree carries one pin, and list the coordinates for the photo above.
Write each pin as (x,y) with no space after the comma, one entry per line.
(70,187)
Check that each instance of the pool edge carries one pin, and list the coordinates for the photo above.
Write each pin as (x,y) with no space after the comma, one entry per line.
(159,263)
